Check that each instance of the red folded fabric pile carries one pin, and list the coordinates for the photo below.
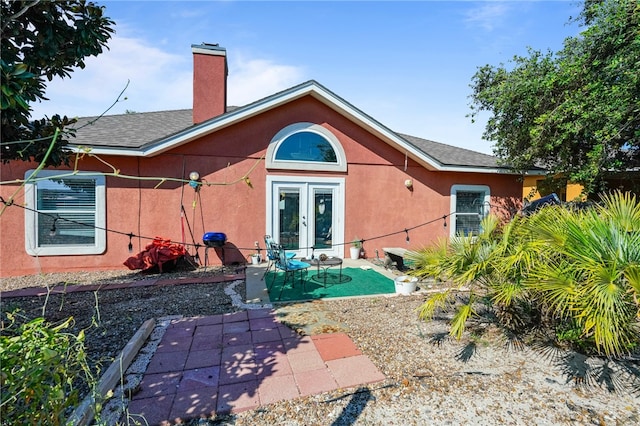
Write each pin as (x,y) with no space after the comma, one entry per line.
(156,253)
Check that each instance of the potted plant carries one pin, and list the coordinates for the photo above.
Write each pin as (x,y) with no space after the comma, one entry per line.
(405,284)
(356,248)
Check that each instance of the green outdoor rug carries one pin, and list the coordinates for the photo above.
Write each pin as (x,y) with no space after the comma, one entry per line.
(354,282)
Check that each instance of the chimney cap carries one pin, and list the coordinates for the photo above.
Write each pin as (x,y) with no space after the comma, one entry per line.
(209,48)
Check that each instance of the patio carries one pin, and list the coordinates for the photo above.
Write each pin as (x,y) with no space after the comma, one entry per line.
(256,287)
(235,362)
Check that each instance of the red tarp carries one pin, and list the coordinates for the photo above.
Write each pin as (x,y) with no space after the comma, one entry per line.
(156,253)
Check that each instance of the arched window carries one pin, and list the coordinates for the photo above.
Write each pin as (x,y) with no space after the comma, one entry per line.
(306,146)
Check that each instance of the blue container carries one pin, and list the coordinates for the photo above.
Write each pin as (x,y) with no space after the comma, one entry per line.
(214,239)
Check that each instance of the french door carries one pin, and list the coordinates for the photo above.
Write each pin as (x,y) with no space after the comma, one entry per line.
(306,216)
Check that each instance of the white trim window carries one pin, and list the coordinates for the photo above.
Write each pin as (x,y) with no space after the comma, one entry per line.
(469,205)
(66,213)
(306,146)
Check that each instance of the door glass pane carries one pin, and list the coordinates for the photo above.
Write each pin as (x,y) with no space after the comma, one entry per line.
(289,206)
(323,207)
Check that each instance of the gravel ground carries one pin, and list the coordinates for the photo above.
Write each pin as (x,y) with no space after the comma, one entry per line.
(431,379)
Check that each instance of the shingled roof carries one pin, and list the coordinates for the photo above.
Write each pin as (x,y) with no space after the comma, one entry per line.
(130,131)
(137,130)
(449,155)
(149,133)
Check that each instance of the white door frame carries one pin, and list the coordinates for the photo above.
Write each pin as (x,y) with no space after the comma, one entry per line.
(272,198)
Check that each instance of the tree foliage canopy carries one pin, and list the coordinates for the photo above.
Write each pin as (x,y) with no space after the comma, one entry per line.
(575,112)
(42,40)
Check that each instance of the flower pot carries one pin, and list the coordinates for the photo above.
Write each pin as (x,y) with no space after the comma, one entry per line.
(405,284)
(355,252)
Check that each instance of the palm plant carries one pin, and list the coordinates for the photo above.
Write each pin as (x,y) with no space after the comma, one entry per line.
(490,265)
(588,273)
(575,271)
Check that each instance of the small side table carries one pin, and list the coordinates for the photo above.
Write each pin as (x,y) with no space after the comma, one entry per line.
(325,265)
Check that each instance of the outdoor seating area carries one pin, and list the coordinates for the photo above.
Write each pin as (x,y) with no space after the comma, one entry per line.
(284,262)
(288,278)
(272,253)
(332,278)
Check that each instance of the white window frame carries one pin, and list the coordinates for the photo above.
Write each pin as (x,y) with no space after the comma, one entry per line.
(31,216)
(271,163)
(274,181)
(454,202)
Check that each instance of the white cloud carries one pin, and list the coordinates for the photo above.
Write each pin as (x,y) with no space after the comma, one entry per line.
(253,79)
(157,81)
(487,16)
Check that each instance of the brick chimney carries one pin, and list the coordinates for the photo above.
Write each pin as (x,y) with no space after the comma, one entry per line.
(209,81)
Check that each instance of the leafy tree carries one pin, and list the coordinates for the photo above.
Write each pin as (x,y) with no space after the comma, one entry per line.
(42,39)
(575,112)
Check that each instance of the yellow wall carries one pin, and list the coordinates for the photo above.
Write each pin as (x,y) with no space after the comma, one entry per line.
(530,192)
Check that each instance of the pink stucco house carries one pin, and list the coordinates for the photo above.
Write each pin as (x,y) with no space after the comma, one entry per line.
(303,165)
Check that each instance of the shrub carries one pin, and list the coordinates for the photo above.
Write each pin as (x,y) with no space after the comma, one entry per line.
(39,364)
(589,271)
(576,272)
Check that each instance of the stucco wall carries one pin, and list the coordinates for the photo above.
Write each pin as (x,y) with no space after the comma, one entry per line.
(377,201)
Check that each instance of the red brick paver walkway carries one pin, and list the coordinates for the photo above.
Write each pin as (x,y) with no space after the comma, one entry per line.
(234,362)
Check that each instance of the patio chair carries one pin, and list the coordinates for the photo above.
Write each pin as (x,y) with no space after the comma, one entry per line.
(272,253)
(289,266)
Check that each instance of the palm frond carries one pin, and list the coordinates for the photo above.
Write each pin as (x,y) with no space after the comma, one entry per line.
(429,262)
(623,209)
(436,301)
(607,316)
(557,286)
(632,277)
(458,323)
(506,292)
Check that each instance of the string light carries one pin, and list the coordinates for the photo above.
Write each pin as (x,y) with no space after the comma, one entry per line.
(52,231)
(131,235)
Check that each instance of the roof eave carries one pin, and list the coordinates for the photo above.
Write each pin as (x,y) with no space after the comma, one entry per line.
(311,88)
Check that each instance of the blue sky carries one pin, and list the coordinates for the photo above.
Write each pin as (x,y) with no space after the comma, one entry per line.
(406,64)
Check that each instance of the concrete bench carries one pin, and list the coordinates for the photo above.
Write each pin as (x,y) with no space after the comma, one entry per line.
(395,255)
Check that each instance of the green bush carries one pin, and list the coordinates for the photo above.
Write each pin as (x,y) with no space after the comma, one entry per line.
(574,272)
(39,364)
(588,271)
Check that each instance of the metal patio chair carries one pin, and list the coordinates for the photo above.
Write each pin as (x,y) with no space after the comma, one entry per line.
(289,266)
(272,253)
